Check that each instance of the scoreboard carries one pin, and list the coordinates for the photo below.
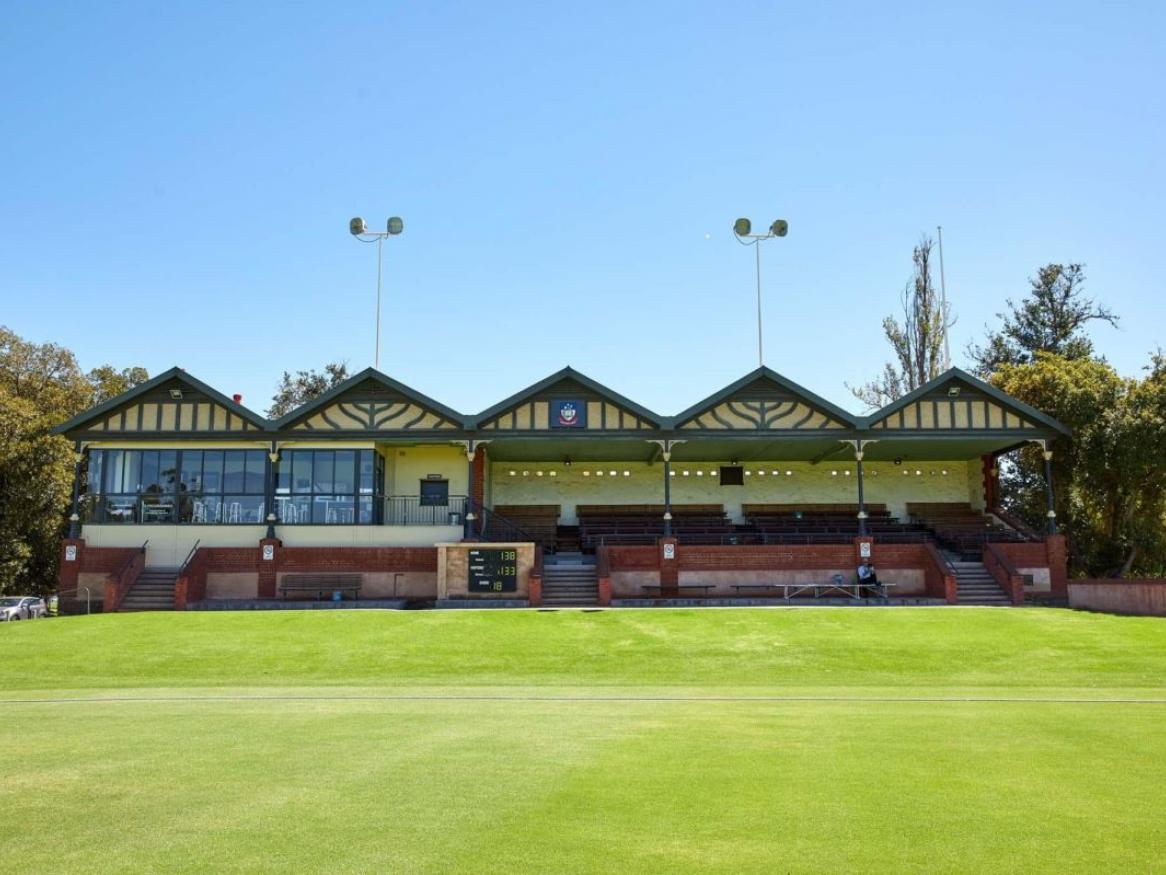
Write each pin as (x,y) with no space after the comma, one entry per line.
(493,571)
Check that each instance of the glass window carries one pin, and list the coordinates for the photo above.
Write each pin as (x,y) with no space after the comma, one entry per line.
(167,486)
(323,463)
(344,478)
(191,475)
(233,467)
(212,471)
(93,480)
(149,473)
(133,473)
(367,471)
(301,470)
(322,487)
(256,467)
(168,470)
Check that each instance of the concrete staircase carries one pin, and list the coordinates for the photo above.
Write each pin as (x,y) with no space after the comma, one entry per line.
(975,585)
(569,580)
(152,591)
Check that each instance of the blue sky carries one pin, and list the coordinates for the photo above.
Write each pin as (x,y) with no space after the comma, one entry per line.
(178,180)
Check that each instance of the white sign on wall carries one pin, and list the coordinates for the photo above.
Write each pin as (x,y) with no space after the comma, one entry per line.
(268,552)
(70,552)
(864,549)
(669,551)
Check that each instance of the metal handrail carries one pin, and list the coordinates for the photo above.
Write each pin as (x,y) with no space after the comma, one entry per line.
(141,551)
(487,517)
(189,558)
(1016,523)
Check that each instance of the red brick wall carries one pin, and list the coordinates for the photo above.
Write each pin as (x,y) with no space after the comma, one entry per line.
(791,556)
(632,558)
(1025,555)
(1143,597)
(785,557)
(298,559)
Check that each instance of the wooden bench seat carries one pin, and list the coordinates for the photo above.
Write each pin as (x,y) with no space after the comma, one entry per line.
(322,585)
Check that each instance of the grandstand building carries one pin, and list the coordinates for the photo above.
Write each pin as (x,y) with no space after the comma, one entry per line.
(564,493)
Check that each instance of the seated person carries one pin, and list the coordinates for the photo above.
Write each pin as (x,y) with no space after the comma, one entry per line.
(866,574)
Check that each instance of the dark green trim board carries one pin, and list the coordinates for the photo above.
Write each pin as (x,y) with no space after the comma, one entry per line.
(460,427)
(74,424)
(956,375)
(568,373)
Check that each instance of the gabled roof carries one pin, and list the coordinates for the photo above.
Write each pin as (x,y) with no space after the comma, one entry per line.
(569,373)
(161,379)
(955,374)
(355,380)
(765,373)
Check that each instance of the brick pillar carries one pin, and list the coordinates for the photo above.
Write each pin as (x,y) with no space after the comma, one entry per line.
(70,569)
(991,482)
(603,576)
(858,557)
(669,567)
(535,589)
(268,568)
(1056,554)
(604,599)
(478,486)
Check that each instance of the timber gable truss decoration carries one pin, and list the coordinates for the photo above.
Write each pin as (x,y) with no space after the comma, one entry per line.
(371,403)
(764,402)
(567,400)
(955,401)
(172,403)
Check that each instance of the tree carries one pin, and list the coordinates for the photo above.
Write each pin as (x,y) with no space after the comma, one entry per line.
(41,386)
(918,342)
(1051,319)
(1110,477)
(304,386)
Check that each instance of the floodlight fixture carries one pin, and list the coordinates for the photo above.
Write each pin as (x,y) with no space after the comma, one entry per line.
(743,229)
(359,229)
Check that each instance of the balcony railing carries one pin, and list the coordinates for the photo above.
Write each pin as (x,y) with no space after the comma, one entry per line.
(416,510)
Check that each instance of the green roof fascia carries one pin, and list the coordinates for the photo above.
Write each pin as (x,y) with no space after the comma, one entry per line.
(956,374)
(568,373)
(355,380)
(151,384)
(806,395)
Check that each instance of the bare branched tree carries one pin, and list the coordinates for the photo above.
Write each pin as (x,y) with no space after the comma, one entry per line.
(918,342)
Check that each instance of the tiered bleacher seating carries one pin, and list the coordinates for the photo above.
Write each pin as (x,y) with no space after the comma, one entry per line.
(538,521)
(826,523)
(618,524)
(960,527)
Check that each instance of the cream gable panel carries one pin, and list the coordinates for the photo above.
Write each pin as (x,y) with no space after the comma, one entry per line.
(789,414)
(171,416)
(374,416)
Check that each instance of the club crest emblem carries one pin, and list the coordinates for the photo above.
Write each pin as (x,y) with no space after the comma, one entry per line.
(568,414)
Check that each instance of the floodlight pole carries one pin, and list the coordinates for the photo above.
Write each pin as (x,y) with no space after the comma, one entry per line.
(359,230)
(777,229)
(760,357)
(376,362)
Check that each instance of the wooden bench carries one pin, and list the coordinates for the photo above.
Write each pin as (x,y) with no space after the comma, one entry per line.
(322,585)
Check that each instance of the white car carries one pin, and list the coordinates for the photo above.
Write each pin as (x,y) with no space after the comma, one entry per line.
(22,608)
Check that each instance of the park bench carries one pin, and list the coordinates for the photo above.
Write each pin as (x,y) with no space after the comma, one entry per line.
(321,585)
